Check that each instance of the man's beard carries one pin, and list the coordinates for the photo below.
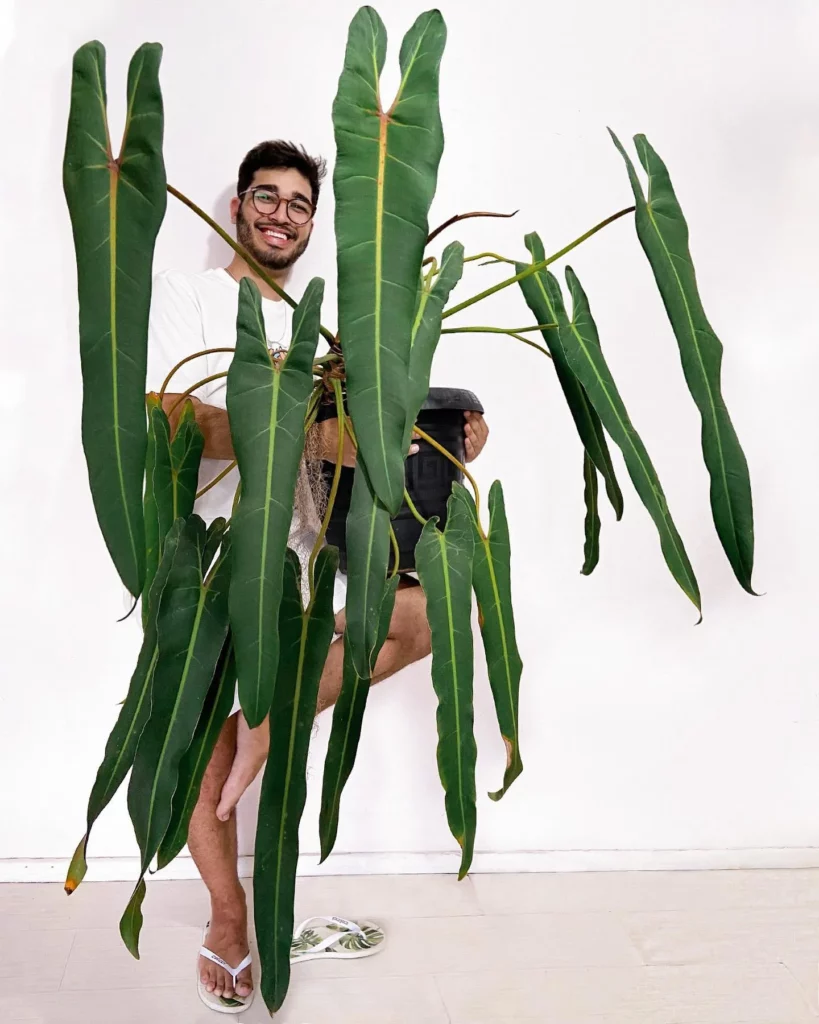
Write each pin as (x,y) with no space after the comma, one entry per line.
(270,259)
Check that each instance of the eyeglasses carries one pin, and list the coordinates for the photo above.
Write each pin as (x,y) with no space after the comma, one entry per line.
(267,201)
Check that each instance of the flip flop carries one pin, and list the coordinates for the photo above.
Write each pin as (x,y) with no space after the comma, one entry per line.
(220,1003)
(335,938)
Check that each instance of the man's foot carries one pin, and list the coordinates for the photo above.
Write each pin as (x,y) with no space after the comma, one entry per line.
(227,938)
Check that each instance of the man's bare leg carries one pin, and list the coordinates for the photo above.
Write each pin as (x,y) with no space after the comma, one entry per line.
(237,759)
(214,848)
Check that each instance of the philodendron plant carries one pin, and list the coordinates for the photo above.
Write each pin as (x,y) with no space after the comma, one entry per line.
(224,601)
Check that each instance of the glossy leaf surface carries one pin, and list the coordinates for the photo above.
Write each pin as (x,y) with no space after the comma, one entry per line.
(305,640)
(116,206)
(444,562)
(384,180)
(266,402)
(591,547)
(663,234)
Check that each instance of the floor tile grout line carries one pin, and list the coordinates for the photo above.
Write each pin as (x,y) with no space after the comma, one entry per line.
(68,957)
(441,997)
(800,988)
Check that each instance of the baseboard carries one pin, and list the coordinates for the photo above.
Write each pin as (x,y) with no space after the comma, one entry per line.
(117,869)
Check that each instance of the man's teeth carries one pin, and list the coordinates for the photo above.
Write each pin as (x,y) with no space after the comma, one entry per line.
(270,233)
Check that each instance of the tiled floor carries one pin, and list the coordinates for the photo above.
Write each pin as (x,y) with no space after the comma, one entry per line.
(730,947)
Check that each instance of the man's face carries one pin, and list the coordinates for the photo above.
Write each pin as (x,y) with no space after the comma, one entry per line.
(271,237)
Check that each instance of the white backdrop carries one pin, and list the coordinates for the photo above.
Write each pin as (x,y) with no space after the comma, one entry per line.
(641,734)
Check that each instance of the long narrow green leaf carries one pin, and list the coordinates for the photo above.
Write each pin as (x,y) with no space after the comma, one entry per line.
(385,175)
(588,363)
(122,743)
(546,304)
(663,234)
(348,715)
(192,767)
(492,583)
(368,553)
(266,403)
(116,206)
(171,475)
(591,548)
(306,638)
(426,329)
(444,562)
(192,624)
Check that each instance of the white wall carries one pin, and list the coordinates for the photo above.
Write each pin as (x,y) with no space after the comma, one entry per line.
(640,732)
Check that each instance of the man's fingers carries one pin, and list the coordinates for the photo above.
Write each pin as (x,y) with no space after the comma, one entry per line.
(413,449)
(241,775)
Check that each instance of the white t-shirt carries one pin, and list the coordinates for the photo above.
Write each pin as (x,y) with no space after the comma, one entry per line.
(190,312)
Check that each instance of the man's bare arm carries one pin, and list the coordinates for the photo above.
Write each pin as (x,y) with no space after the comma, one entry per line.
(212,421)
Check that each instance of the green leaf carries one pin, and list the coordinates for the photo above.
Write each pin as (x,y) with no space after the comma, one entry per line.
(444,562)
(492,583)
(426,329)
(305,640)
(591,549)
(543,297)
(215,713)
(122,743)
(192,624)
(116,207)
(171,475)
(348,715)
(368,553)
(384,181)
(663,234)
(131,922)
(587,362)
(266,403)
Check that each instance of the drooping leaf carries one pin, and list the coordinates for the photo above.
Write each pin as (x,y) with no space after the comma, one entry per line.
(171,475)
(426,329)
(348,715)
(305,640)
(546,304)
(444,562)
(131,921)
(591,548)
(116,206)
(192,767)
(214,538)
(192,624)
(588,363)
(663,233)
(492,583)
(122,743)
(385,175)
(368,553)
(266,403)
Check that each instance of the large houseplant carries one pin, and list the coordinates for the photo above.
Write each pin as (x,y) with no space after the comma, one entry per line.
(225,601)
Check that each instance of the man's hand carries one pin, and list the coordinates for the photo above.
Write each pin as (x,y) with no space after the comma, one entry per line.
(252,746)
(475,434)
(328,440)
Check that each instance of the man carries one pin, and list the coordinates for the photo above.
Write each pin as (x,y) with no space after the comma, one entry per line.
(277,193)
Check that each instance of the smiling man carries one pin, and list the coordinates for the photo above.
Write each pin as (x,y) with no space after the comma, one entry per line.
(277,195)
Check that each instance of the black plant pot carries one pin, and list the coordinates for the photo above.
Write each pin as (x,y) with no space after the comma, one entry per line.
(429,475)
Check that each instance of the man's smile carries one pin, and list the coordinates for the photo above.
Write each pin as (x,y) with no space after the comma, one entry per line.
(275,236)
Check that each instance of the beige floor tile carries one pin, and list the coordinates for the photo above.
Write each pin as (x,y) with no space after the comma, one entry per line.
(725,936)
(377,896)
(99,905)
(806,973)
(441,944)
(758,993)
(35,960)
(407,1000)
(178,1005)
(100,961)
(644,890)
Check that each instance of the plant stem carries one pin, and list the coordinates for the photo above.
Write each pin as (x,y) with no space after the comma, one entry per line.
(187,359)
(501,330)
(257,268)
(413,509)
(396,553)
(489,256)
(312,406)
(464,216)
(192,388)
(216,479)
(535,268)
(331,500)
(439,447)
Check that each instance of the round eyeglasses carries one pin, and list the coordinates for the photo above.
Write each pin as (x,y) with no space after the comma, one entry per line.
(267,201)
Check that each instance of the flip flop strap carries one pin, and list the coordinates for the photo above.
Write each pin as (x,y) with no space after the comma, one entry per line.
(234,972)
(350,927)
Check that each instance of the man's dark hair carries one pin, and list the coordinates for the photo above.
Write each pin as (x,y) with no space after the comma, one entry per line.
(280,154)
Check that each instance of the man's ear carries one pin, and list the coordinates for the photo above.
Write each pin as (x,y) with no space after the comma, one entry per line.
(235,203)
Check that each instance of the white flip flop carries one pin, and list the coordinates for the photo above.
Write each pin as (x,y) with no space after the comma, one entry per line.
(219,1003)
(335,938)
